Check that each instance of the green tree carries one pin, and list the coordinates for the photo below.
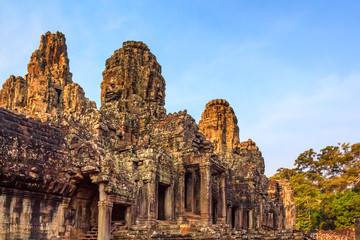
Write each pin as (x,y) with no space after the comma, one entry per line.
(307,198)
(326,186)
(347,208)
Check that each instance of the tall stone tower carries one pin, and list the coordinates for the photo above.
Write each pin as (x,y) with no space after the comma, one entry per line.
(132,80)
(47,91)
(219,125)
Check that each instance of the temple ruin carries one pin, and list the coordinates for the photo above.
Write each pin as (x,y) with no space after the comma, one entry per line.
(129,170)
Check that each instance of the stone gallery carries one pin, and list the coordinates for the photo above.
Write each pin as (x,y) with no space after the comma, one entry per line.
(129,170)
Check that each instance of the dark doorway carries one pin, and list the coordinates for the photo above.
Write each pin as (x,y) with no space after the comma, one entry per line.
(248,219)
(275,219)
(214,211)
(188,191)
(85,205)
(234,217)
(118,212)
(58,91)
(192,191)
(164,202)
(245,220)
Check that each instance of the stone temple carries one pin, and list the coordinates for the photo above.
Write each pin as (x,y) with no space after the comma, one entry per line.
(128,170)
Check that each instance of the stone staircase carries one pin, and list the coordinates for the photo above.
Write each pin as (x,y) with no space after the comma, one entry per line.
(193,218)
(90,235)
(192,231)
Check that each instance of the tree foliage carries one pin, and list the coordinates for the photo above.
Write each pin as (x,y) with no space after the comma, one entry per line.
(326,187)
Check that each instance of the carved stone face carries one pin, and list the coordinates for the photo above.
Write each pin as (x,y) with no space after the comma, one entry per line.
(110,90)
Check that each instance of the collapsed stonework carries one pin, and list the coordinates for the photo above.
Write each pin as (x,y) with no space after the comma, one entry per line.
(128,170)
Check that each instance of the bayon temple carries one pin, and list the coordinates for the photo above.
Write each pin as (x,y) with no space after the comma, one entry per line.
(129,170)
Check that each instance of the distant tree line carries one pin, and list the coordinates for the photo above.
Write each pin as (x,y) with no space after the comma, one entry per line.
(326,187)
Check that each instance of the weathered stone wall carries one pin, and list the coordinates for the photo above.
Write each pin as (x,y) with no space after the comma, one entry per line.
(29,215)
(338,234)
(281,191)
(33,155)
(178,133)
(41,190)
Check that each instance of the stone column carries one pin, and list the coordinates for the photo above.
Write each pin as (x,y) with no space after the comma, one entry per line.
(250,219)
(241,216)
(222,199)
(261,223)
(64,208)
(258,216)
(170,199)
(128,219)
(181,194)
(144,202)
(148,204)
(85,225)
(206,193)
(271,219)
(104,222)
(278,219)
(282,217)
(153,200)
(104,214)
(228,213)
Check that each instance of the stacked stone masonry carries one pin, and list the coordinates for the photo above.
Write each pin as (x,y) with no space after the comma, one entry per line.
(128,170)
(337,234)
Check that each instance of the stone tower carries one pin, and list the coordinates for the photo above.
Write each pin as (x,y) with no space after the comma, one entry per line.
(47,91)
(132,80)
(219,125)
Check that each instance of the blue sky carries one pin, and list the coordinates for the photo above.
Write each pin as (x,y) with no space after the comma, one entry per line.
(290,69)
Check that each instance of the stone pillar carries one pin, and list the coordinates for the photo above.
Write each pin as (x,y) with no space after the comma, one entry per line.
(148,202)
(143,202)
(153,199)
(241,217)
(85,225)
(282,225)
(222,200)
(104,214)
(261,214)
(170,199)
(271,219)
(258,216)
(104,220)
(181,194)
(206,194)
(63,209)
(128,219)
(251,219)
